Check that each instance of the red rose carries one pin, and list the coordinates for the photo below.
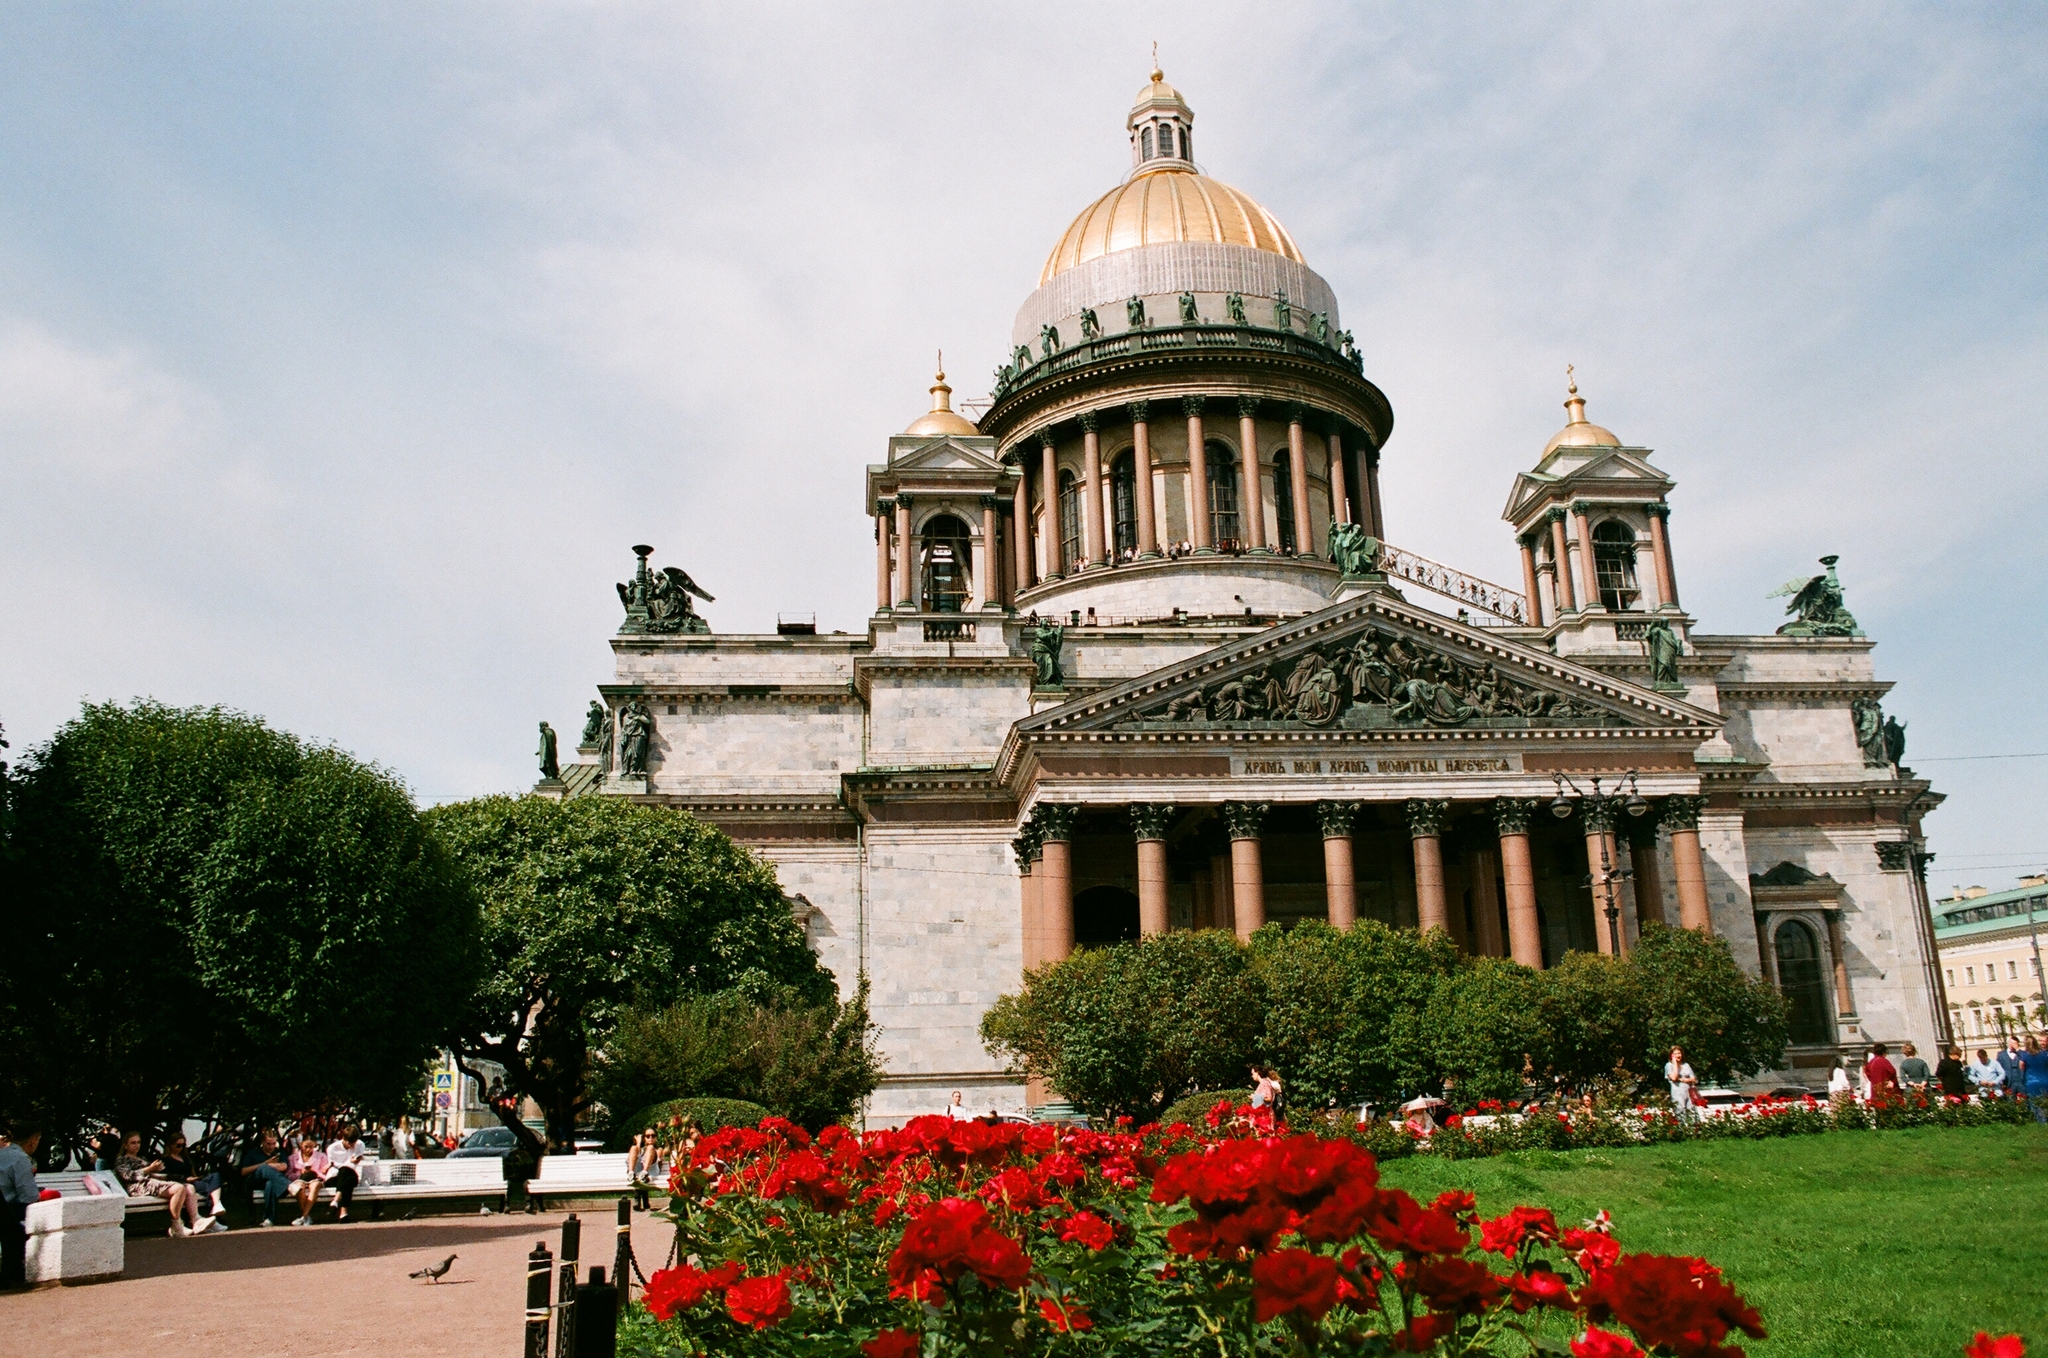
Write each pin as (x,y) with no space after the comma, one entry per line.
(1603,1344)
(1402,1224)
(2005,1346)
(892,1344)
(1457,1286)
(1504,1235)
(1422,1332)
(1289,1281)
(998,1260)
(1064,1318)
(1539,1287)
(1668,1300)
(682,1287)
(759,1302)
(938,1239)
(1014,1189)
(1088,1229)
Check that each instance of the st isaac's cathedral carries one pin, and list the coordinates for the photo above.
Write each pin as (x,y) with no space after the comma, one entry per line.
(1143,659)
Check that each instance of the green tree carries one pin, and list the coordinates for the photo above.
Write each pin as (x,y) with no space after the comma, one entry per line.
(1699,998)
(1483,1020)
(1127,1029)
(812,1064)
(593,905)
(229,923)
(1596,1016)
(1347,1010)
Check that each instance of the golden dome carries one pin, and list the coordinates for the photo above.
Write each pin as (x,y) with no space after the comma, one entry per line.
(1579,432)
(1163,205)
(941,418)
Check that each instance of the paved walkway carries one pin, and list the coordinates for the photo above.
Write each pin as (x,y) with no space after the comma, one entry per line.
(316,1290)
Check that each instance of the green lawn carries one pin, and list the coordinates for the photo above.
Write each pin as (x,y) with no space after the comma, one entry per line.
(1851,1243)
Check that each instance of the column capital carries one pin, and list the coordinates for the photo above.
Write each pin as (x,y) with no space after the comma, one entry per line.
(1511,815)
(902,500)
(1150,819)
(1336,818)
(1582,508)
(991,502)
(1895,855)
(1247,407)
(1140,412)
(1045,439)
(1191,406)
(885,505)
(1297,413)
(1426,816)
(1055,823)
(1554,514)
(1681,813)
(1527,541)
(1244,818)
(1600,813)
(1089,420)
(1657,509)
(1025,846)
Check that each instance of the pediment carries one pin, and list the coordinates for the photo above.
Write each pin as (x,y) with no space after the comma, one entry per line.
(1603,471)
(944,453)
(1373,663)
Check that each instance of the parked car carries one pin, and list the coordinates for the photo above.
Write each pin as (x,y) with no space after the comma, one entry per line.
(486,1142)
(1715,1101)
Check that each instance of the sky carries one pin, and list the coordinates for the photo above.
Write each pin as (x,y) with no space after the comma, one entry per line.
(345,351)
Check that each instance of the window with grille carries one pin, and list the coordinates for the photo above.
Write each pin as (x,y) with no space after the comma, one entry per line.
(1070,523)
(1614,565)
(1123,503)
(1283,501)
(1222,495)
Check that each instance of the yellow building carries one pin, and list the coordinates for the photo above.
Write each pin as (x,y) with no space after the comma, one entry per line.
(1989,944)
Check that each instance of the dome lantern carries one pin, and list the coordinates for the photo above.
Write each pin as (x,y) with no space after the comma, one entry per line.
(941,418)
(1578,432)
(1161,125)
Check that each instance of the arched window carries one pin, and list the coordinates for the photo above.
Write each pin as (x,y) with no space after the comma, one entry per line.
(1799,967)
(1166,140)
(1123,503)
(1145,143)
(1070,523)
(945,555)
(1283,500)
(1614,565)
(1222,495)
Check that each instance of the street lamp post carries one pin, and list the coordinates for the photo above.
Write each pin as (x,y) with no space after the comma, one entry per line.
(1608,877)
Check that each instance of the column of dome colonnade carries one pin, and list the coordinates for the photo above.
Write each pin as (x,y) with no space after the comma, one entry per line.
(1148,823)
(1253,512)
(1297,481)
(1141,475)
(1199,521)
(1092,546)
(1020,534)
(1049,507)
(1681,817)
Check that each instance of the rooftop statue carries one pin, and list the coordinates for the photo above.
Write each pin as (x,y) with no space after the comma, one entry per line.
(1894,740)
(1046,639)
(1235,301)
(1355,552)
(1091,328)
(659,602)
(1134,313)
(1319,327)
(1283,310)
(550,765)
(636,725)
(594,723)
(1663,648)
(1870,732)
(1818,604)
(1188,314)
(1049,340)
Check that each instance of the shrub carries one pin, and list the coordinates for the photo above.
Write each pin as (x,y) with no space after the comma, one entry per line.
(1483,1021)
(1698,997)
(1193,1108)
(710,1115)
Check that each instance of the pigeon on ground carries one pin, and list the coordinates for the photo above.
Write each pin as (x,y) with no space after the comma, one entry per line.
(435,1272)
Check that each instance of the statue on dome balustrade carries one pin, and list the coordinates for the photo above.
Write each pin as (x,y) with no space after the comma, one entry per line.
(1235,302)
(1319,327)
(1091,328)
(1283,311)
(1048,340)
(1134,313)
(1355,552)
(1188,314)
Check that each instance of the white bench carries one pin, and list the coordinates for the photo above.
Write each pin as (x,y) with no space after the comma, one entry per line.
(77,1237)
(71,1184)
(383,1181)
(580,1176)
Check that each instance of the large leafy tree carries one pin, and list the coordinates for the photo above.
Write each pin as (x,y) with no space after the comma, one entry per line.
(1483,1023)
(227,922)
(1698,997)
(593,905)
(1127,1029)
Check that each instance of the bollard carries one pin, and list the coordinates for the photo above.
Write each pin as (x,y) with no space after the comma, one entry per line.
(622,1263)
(540,1268)
(597,1318)
(565,1298)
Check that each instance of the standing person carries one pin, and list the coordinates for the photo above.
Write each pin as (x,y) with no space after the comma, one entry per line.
(2034,1061)
(145,1179)
(401,1140)
(1913,1072)
(262,1164)
(1879,1075)
(2015,1069)
(1950,1073)
(957,1110)
(1683,1084)
(345,1158)
(1987,1075)
(17,1191)
(1841,1089)
(308,1170)
(1280,1091)
(1262,1089)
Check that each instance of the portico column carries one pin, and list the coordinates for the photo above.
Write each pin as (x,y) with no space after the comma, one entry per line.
(1340,878)
(1518,877)
(1091,471)
(1056,885)
(1425,827)
(1254,485)
(1599,820)
(1297,476)
(1681,816)
(1845,1003)
(1020,529)
(906,557)
(883,510)
(985,590)
(1528,543)
(1372,486)
(1567,596)
(1660,542)
(1141,474)
(1025,846)
(1049,505)
(1649,877)
(1589,578)
(1247,874)
(1485,901)
(1148,822)
(1340,502)
(1198,476)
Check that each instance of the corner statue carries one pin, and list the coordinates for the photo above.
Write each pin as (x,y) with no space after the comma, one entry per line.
(1663,647)
(594,723)
(1046,639)
(1818,603)
(636,725)
(1355,552)
(550,766)
(659,602)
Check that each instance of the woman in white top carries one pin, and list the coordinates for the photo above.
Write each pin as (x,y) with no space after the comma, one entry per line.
(1839,1088)
(344,1167)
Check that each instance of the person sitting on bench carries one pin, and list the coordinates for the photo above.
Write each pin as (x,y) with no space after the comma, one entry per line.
(308,1171)
(345,1158)
(263,1165)
(145,1179)
(205,1188)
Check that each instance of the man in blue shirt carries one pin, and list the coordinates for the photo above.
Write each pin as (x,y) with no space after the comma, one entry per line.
(2035,1063)
(17,1191)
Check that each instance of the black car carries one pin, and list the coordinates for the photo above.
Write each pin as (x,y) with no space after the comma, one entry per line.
(492,1142)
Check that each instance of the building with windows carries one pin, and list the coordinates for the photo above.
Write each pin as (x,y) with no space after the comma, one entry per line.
(1990,948)
(1142,658)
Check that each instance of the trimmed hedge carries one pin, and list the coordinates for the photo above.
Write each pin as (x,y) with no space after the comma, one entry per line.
(1193,1108)
(709,1114)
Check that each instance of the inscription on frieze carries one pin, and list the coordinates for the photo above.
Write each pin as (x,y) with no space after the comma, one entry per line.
(1378,766)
